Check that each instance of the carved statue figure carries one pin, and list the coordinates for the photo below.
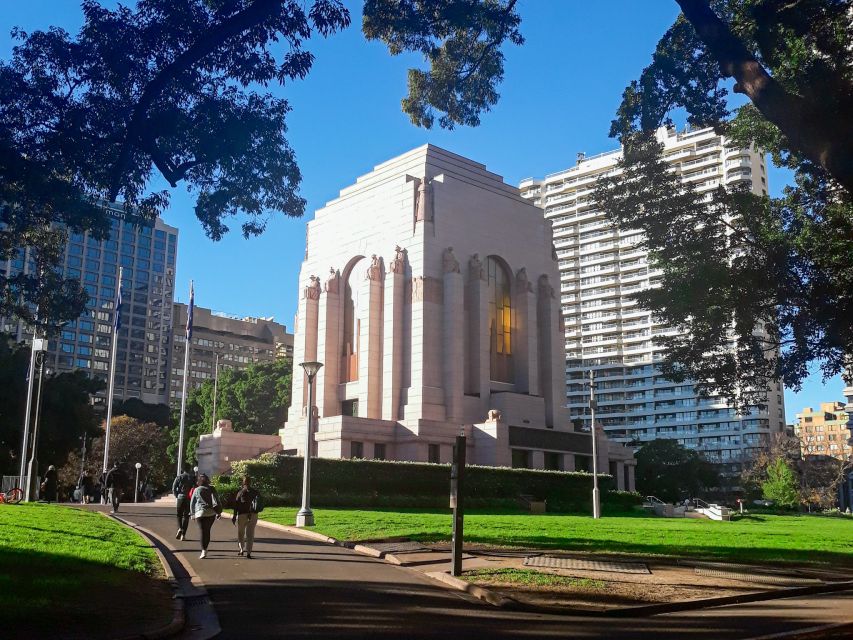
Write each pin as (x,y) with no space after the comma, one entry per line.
(494,416)
(398,264)
(333,281)
(475,267)
(449,261)
(312,291)
(374,271)
(545,288)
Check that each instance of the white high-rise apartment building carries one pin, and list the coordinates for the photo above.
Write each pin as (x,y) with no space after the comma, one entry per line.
(601,266)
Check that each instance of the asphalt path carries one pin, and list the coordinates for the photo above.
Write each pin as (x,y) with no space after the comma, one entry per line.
(299,588)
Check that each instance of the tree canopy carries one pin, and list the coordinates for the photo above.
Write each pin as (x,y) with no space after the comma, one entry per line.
(66,412)
(671,472)
(178,90)
(255,399)
(770,277)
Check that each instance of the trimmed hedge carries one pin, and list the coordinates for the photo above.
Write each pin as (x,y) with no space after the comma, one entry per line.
(380,483)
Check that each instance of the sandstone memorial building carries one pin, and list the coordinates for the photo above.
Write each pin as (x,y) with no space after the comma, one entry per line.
(430,292)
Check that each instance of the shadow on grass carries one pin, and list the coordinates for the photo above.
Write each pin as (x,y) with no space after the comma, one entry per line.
(56,596)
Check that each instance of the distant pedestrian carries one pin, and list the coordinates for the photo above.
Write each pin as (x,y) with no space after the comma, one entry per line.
(49,485)
(112,483)
(205,508)
(181,488)
(87,484)
(246,507)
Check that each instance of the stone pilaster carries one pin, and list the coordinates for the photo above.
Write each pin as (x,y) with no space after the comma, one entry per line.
(477,344)
(370,348)
(454,343)
(392,353)
(304,345)
(329,346)
(525,336)
(551,356)
(425,396)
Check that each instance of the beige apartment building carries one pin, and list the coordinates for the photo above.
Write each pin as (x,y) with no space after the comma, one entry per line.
(229,342)
(429,292)
(824,432)
(601,267)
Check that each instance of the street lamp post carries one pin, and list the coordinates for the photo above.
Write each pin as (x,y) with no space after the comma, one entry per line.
(138,466)
(305,517)
(596,496)
(37,345)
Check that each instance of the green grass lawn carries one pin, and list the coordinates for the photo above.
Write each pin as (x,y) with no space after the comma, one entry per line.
(76,571)
(759,538)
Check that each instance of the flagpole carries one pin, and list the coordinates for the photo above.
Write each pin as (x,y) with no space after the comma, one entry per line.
(112,374)
(187,347)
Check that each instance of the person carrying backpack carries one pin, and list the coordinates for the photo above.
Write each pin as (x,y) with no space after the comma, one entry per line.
(181,488)
(205,508)
(247,506)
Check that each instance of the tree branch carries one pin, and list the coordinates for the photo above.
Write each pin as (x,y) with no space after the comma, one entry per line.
(209,41)
(809,126)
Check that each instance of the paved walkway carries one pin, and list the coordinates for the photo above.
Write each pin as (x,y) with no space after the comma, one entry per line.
(298,588)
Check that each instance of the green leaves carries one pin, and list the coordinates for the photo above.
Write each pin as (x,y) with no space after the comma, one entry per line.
(460,40)
(671,472)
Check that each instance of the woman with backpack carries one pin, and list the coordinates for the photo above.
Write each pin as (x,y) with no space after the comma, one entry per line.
(247,505)
(205,508)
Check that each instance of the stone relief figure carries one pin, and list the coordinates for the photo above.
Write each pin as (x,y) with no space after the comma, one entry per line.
(333,281)
(449,261)
(494,416)
(545,288)
(475,267)
(417,289)
(374,271)
(423,206)
(312,291)
(522,280)
(398,264)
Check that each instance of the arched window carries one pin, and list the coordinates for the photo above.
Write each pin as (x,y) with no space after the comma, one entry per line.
(500,321)
(351,320)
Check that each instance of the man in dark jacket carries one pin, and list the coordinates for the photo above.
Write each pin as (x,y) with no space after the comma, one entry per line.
(49,484)
(112,483)
(181,488)
(246,506)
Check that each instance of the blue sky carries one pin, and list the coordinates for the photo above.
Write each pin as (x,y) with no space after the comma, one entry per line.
(558,97)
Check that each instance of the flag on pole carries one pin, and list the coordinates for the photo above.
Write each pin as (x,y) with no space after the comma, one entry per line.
(117,322)
(190,314)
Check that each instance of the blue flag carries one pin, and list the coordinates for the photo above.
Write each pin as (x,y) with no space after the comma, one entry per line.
(190,313)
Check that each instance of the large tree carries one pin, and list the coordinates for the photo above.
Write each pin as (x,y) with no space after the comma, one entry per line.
(255,399)
(672,472)
(772,277)
(66,411)
(177,90)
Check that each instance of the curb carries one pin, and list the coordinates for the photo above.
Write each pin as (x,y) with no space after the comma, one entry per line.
(179,618)
(810,633)
(506,602)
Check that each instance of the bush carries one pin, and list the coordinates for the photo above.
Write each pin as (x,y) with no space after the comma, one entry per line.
(380,483)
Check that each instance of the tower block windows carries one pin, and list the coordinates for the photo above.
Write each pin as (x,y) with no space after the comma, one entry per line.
(500,321)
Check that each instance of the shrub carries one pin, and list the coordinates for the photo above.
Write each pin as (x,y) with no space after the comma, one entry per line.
(380,483)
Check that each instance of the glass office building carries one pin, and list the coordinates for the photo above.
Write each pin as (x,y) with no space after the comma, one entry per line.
(147,250)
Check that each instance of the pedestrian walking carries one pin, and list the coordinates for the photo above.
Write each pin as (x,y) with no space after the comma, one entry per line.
(205,508)
(247,505)
(49,485)
(112,483)
(181,489)
(87,484)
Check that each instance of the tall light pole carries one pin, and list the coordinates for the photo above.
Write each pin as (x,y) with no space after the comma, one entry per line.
(138,466)
(305,517)
(596,496)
